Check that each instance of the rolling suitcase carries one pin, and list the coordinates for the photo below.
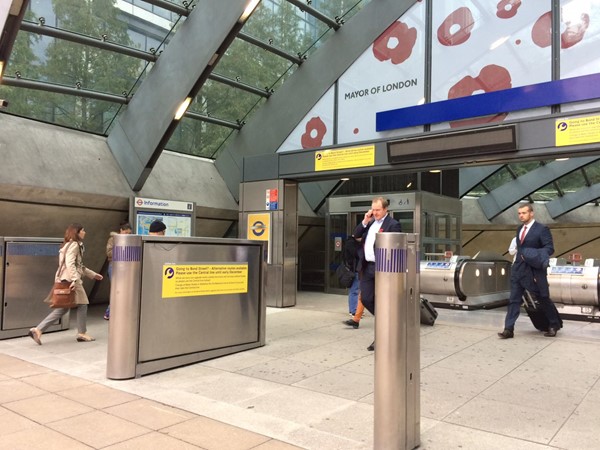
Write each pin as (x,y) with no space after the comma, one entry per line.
(536,315)
(428,312)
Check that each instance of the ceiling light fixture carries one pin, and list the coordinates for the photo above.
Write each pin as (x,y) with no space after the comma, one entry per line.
(249,10)
(183,108)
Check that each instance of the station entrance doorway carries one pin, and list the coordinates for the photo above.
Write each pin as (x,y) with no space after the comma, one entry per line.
(437,218)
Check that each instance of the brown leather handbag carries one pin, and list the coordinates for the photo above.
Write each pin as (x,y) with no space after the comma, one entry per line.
(62,295)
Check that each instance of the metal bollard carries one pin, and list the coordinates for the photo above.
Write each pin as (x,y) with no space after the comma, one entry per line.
(125,292)
(397,337)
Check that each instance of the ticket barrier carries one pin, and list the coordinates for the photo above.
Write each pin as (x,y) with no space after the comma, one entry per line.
(481,282)
(575,289)
(26,276)
(177,301)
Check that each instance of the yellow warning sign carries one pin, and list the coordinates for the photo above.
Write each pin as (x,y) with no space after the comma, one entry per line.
(258,226)
(345,158)
(583,130)
(190,280)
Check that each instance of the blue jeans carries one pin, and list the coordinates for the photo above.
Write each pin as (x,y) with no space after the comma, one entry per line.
(107,312)
(353,295)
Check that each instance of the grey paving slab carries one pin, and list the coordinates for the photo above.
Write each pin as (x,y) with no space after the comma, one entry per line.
(311,385)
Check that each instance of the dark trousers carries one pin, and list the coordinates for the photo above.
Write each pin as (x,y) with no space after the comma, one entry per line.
(517,290)
(367,287)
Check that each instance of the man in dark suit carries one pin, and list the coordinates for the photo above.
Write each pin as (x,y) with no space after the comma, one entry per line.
(376,220)
(534,247)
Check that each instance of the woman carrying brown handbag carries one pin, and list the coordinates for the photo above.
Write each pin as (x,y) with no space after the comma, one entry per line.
(71,268)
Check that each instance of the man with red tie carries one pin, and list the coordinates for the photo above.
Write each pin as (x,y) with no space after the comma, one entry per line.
(529,272)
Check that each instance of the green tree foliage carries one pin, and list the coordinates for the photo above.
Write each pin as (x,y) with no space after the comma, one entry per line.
(74,65)
(277,23)
(24,61)
(87,67)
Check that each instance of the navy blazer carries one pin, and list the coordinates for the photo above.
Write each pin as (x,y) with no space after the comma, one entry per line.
(389,225)
(532,257)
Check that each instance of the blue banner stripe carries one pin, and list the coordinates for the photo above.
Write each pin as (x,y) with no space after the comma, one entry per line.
(127,253)
(586,87)
(32,249)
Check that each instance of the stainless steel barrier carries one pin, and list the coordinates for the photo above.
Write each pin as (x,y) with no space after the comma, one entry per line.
(397,337)
(27,270)
(575,289)
(466,283)
(177,301)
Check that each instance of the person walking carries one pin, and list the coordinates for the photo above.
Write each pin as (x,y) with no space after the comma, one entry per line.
(124,228)
(351,261)
(376,220)
(70,268)
(529,272)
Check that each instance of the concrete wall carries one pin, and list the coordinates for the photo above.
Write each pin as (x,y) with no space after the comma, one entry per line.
(51,176)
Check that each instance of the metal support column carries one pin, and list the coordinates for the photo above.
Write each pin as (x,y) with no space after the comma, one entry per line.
(126,287)
(397,334)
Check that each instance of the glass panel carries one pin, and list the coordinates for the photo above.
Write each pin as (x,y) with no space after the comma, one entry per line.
(477,191)
(282,25)
(572,182)
(442,228)
(545,194)
(66,110)
(222,101)
(198,138)
(454,230)
(593,172)
(75,65)
(406,219)
(498,178)
(252,65)
(105,17)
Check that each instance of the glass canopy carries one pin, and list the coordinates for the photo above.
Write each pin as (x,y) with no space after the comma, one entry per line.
(97,52)
(77,63)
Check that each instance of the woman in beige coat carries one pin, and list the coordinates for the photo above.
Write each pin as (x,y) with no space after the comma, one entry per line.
(70,268)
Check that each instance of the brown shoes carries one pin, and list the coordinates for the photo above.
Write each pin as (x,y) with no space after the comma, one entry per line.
(35,334)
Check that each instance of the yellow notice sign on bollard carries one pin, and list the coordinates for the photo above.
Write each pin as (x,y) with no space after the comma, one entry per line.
(191,280)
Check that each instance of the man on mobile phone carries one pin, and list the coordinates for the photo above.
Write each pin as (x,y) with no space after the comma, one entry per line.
(376,220)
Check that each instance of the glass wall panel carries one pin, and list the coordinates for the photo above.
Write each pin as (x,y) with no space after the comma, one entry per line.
(103,17)
(198,138)
(252,65)
(224,102)
(70,111)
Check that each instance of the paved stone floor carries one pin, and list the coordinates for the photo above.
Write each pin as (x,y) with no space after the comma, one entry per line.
(311,387)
